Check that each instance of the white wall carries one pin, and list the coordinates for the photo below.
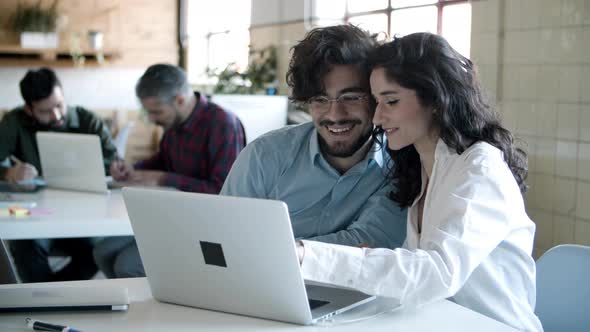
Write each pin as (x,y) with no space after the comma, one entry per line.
(94,88)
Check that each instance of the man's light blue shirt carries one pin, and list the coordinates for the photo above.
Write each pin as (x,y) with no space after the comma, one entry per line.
(324,205)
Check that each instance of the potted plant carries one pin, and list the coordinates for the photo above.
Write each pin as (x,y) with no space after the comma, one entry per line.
(36,25)
(259,78)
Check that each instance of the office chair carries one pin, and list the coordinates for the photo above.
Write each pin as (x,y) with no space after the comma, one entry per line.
(563,289)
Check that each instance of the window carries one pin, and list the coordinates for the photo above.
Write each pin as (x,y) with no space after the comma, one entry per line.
(371,22)
(449,18)
(415,19)
(359,6)
(217,37)
(456,18)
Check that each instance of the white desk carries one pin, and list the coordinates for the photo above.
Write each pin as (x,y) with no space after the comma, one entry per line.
(63,214)
(146,314)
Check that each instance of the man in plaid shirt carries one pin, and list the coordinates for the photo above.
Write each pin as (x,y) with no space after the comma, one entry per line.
(200,143)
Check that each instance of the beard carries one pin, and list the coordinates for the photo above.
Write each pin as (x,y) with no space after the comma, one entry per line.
(343,149)
(51,126)
(178,121)
(174,123)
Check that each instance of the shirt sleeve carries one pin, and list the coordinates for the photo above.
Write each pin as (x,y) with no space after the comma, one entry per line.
(381,224)
(7,142)
(226,140)
(472,220)
(155,162)
(246,178)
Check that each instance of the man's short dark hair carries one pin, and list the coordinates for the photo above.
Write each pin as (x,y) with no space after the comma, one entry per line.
(322,48)
(38,84)
(163,81)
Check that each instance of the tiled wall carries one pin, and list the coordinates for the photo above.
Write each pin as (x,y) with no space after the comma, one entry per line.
(534,58)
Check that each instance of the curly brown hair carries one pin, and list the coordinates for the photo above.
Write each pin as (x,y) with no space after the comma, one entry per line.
(322,48)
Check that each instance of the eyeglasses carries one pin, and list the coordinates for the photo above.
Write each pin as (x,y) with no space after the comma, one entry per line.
(348,99)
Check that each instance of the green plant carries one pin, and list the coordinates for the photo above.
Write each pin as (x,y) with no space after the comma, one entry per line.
(261,72)
(262,69)
(230,81)
(76,50)
(35,18)
(77,53)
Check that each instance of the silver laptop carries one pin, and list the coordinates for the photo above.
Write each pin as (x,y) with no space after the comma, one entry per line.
(39,297)
(227,254)
(72,161)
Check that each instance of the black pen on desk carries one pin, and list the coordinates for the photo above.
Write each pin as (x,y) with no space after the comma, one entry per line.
(42,326)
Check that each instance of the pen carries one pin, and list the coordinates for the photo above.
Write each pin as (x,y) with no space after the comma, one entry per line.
(42,326)
(121,166)
(15,160)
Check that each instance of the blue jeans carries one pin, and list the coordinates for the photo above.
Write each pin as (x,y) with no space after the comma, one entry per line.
(118,257)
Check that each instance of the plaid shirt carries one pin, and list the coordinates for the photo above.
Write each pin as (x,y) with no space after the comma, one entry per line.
(198,154)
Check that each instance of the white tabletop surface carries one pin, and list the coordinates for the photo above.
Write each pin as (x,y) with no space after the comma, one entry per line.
(149,315)
(63,214)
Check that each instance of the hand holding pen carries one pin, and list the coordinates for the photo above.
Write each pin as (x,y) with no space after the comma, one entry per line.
(21,171)
(120,171)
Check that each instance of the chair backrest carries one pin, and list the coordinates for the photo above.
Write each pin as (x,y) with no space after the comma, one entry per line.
(120,141)
(7,275)
(563,289)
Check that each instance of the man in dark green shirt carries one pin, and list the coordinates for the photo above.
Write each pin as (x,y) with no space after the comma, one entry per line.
(45,110)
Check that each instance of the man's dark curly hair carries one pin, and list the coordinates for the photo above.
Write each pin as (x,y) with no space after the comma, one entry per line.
(314,56)
(38,84)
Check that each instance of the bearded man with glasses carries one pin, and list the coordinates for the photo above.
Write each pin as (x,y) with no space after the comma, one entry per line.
(329,172)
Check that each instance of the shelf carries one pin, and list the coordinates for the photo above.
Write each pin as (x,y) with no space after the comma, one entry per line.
(14,55)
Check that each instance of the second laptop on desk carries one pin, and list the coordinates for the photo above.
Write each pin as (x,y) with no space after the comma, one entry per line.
(227,254)
(72,161)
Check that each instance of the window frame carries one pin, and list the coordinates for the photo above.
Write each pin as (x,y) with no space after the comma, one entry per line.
(440,4)
(206,38)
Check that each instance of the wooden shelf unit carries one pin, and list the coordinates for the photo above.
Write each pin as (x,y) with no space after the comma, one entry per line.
(14,55)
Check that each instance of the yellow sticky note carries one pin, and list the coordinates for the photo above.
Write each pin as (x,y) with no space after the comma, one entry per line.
(19,212)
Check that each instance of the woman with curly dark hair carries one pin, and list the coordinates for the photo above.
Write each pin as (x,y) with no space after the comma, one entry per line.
(459,173)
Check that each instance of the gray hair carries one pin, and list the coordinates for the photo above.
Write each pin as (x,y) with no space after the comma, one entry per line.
(163,81)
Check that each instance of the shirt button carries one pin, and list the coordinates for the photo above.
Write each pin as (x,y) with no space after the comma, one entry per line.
(332,278)
(350,281)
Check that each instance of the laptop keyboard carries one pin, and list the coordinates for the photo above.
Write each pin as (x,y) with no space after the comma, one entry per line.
(313,304)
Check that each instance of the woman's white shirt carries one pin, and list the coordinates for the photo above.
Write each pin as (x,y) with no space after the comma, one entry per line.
(474,247)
